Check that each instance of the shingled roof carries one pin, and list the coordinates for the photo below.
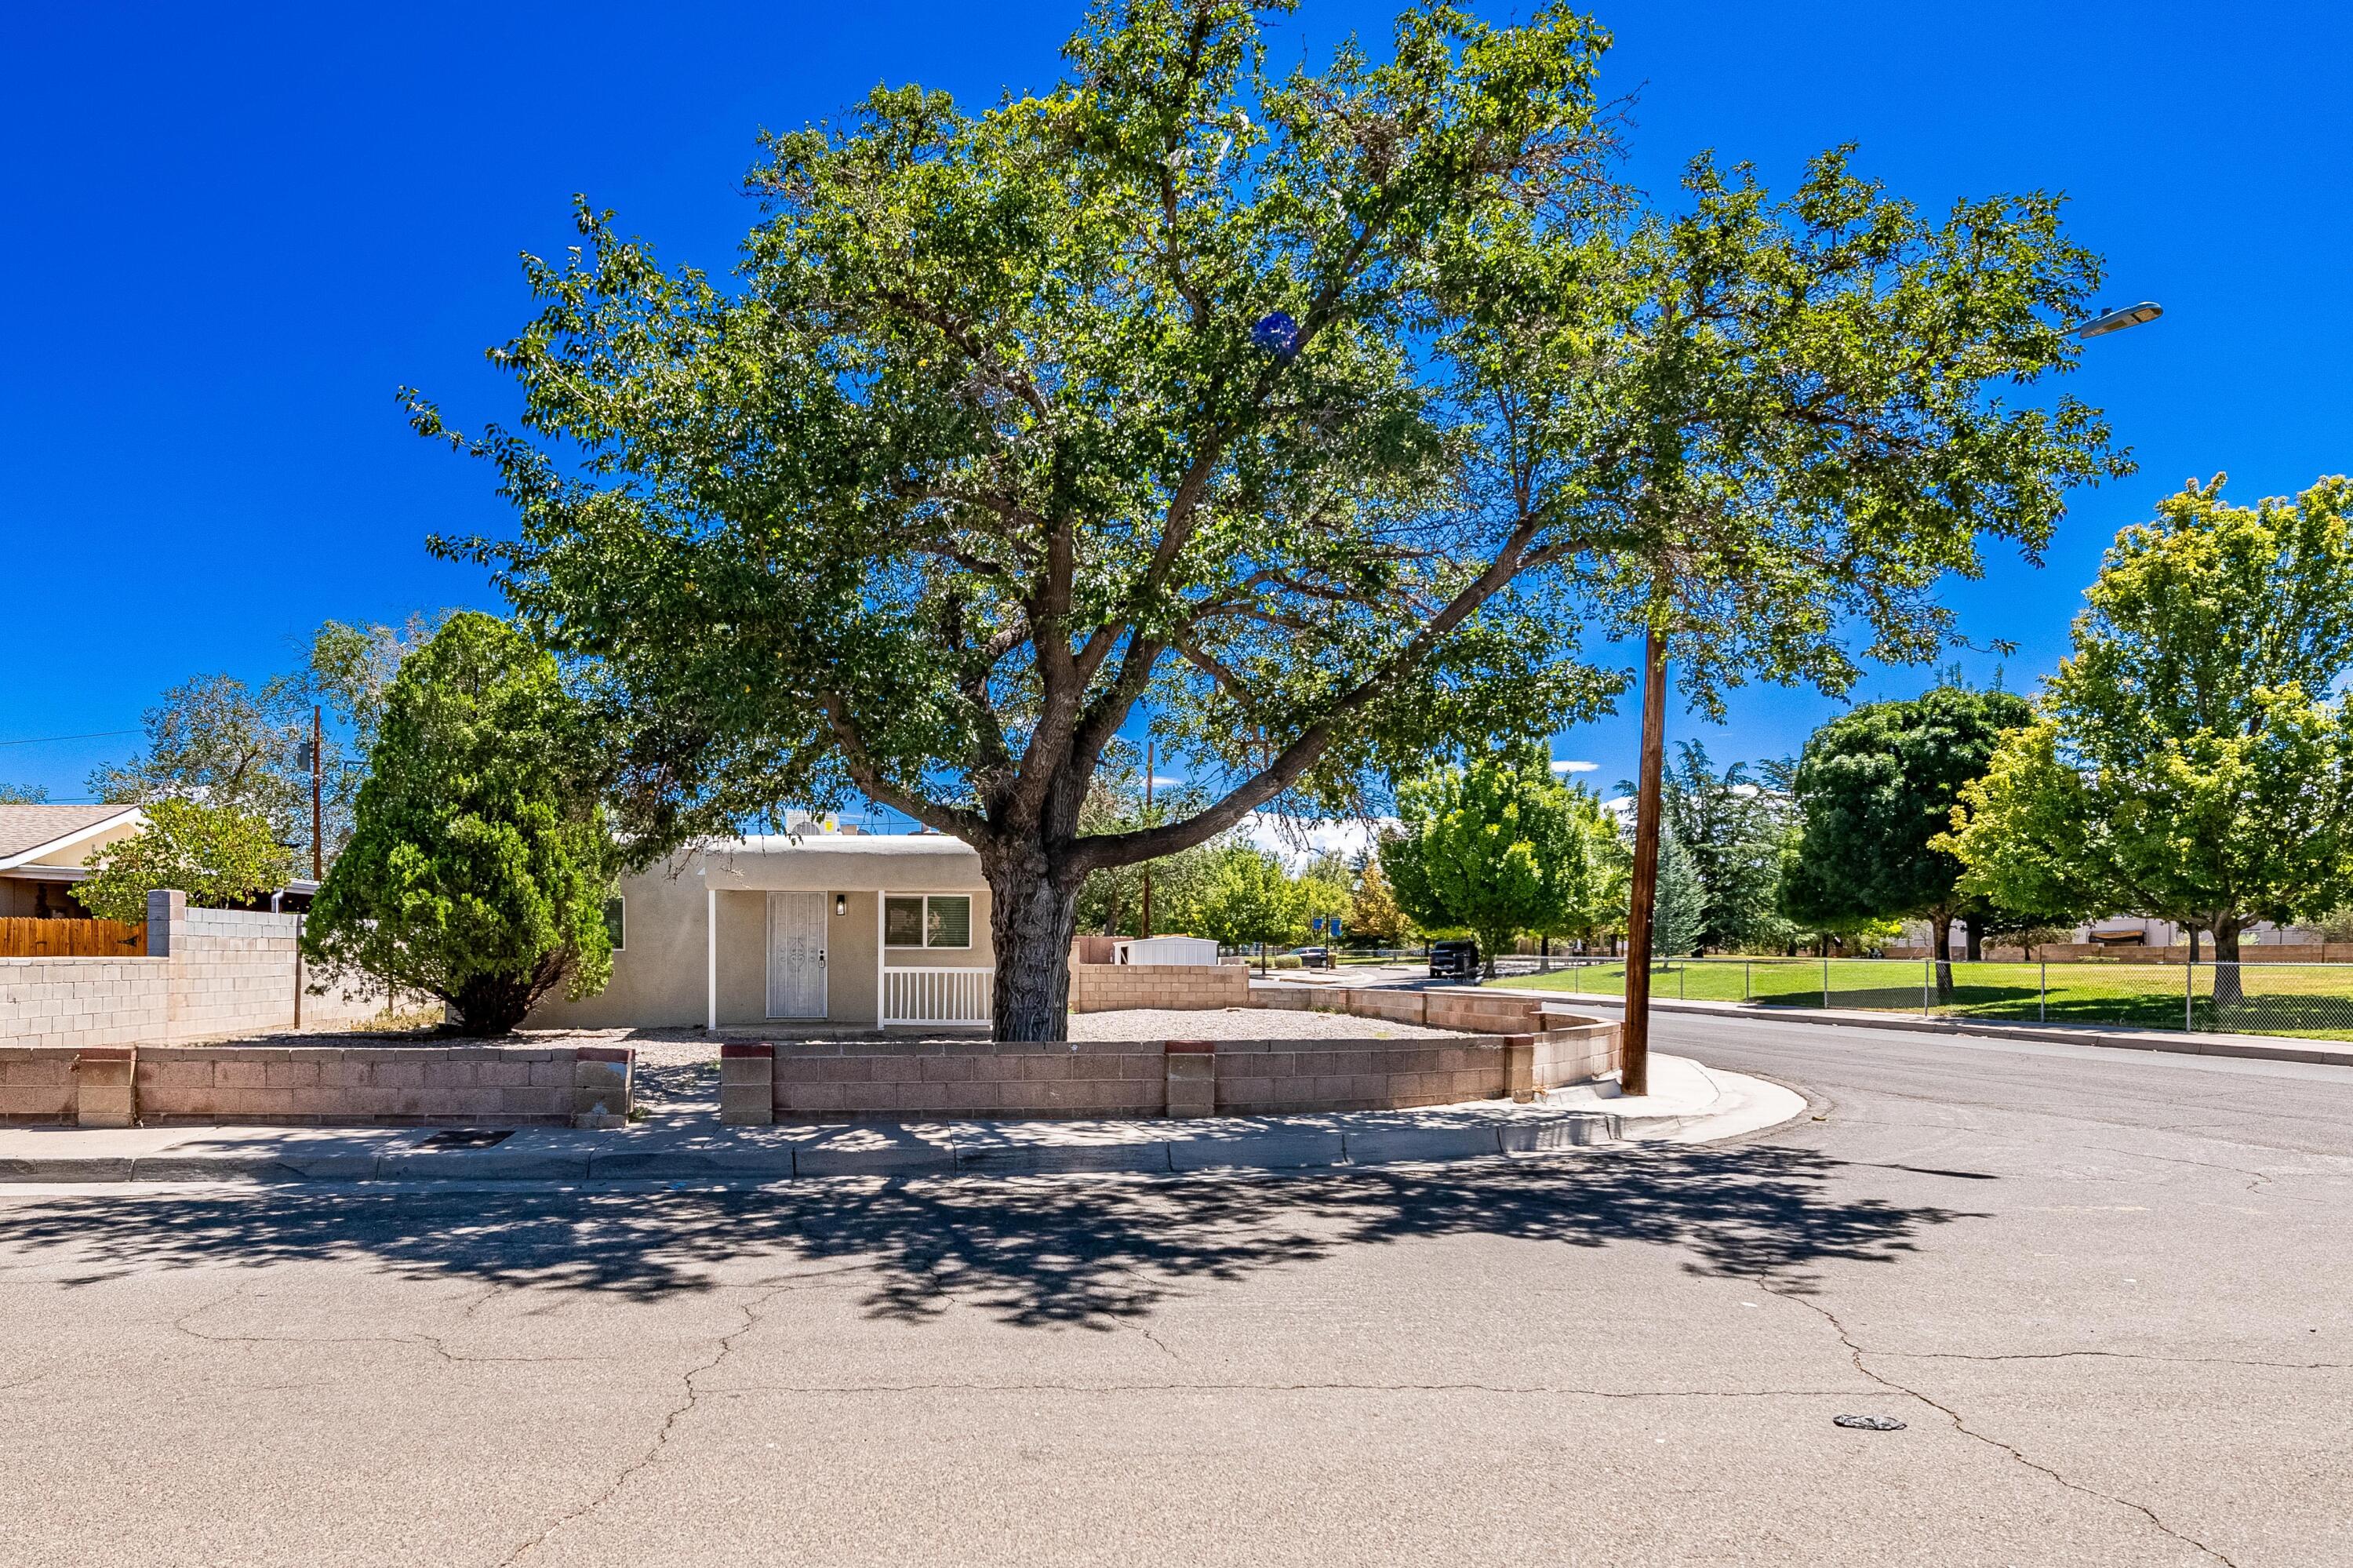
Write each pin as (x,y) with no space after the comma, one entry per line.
(26,828)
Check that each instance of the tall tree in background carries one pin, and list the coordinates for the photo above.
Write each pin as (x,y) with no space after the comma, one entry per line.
(244,748)
(1497,847)
(482,862)
(1680,925)
(1373,916)
(2193,756)
(22,795)
(1246,899)
(1736,829)
(1875,789)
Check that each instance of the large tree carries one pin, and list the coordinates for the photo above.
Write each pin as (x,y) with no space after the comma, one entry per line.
(481,862)
(1735,828)
(1874,790)
(1495,848)
(2192,759)
(1306,408)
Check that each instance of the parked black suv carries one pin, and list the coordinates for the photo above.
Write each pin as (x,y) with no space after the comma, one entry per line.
(1454,960)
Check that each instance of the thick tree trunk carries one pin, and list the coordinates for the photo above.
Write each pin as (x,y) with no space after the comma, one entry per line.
(2228,991)
(1976,940)
(1033,916)
(1940,939)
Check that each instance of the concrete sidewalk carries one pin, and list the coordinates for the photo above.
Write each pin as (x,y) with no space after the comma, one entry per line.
(2258,1047)
(1689,1104)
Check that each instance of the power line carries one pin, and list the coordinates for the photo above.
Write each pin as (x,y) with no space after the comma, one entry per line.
(94,734)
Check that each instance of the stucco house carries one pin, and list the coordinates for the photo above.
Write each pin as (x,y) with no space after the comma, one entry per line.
(41,851)
(849,930)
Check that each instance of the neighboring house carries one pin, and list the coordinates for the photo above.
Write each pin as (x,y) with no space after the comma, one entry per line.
(2125,933)
(41,851)
(857,930)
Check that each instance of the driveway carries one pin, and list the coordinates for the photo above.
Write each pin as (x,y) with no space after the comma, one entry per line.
(2106,1296)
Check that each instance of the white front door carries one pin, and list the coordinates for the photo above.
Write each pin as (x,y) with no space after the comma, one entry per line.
(796,955)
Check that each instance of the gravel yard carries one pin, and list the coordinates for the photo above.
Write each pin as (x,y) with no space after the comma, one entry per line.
(1243,1023)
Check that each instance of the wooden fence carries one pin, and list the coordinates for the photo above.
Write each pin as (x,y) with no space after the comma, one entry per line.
(21,938)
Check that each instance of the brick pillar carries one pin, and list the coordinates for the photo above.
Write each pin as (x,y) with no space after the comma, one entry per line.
(747,1083)
(600,1086)
(1520,1067)
(103,1077)
(1192,1078)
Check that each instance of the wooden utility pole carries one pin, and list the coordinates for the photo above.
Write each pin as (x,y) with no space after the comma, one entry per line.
(318,814)
(1635,1074)
(1148,822)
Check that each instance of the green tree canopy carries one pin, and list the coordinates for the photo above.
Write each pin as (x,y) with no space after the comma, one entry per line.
(1245,899)
(219,857)
(1679,911)
(1310,410)
(246,749)
(481,862)
(1496,848)
(1736,830)
(2193,756)
(1875,789)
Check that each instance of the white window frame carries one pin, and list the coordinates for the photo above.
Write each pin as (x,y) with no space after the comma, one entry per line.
(926,945)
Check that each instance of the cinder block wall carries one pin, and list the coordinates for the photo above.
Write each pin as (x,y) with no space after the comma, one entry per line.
(895,1079)
(37,1083)
(212,974)
(66,1003)
(1531,1050)
(1106,988)
(1275,1077)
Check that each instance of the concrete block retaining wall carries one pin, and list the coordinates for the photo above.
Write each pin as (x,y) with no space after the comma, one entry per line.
(325,1086)
(1520,1050)
(1109,988)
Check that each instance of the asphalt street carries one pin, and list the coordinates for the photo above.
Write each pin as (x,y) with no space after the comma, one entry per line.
(2106,1293)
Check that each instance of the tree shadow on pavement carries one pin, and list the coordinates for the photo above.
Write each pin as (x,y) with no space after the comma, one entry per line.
(1032,1251)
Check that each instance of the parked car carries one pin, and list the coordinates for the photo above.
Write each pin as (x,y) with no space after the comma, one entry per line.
(1453,959)
(1314,958)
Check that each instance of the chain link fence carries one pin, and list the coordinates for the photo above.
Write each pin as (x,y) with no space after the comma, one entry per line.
(2314,1001)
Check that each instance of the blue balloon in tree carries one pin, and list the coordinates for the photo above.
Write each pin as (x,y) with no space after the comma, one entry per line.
(1276,333)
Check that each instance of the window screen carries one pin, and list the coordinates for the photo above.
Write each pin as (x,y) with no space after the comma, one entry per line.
(903,922)
(616,924)
(948,923)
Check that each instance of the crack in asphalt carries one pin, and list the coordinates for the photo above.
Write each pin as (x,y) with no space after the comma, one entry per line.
(1322,1387)
(2115,1355)
(1855,1354)
(721,1351)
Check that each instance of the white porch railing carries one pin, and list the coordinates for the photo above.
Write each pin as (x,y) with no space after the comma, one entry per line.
(937,995)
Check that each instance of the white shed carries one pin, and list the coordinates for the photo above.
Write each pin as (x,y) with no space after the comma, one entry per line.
(1167,950)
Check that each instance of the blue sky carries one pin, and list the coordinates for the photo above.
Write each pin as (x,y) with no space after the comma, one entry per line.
(231,234)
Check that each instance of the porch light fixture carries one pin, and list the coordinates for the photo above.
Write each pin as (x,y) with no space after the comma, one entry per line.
(841,903)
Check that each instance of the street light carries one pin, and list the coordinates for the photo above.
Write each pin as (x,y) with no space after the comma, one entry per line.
(2107,321)
(1634,1036)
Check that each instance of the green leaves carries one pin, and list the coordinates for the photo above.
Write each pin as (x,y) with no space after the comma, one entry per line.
(1875,788)
(218,856)
(482,862)
(1245,898)
(1497,848)
(2194,759)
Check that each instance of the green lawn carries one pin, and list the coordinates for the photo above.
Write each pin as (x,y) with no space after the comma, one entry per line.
(2310,1000)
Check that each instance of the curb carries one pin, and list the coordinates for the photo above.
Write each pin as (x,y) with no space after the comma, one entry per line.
(2288,1050)
(1280,1150)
